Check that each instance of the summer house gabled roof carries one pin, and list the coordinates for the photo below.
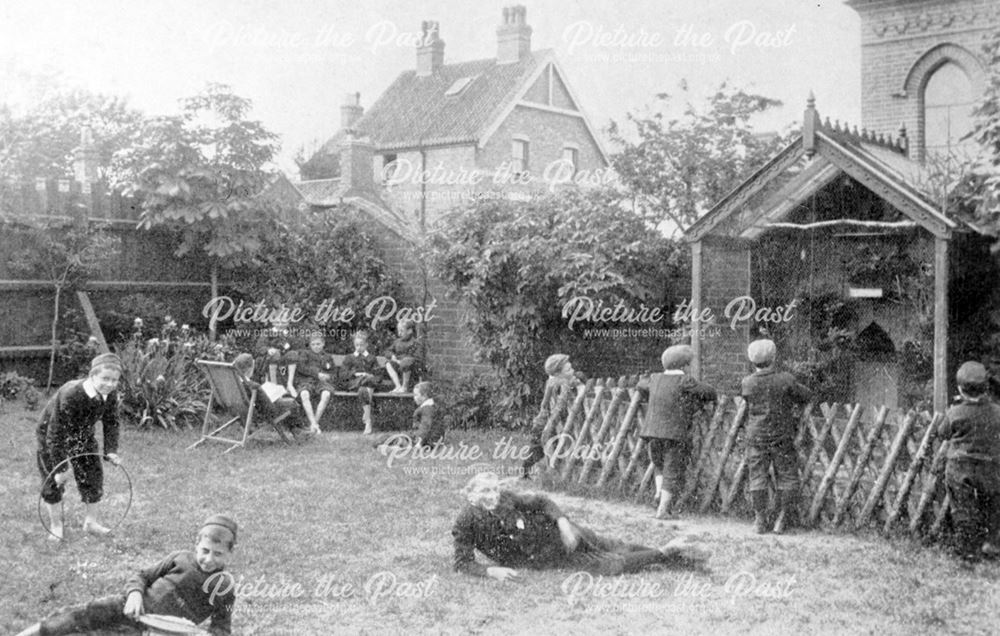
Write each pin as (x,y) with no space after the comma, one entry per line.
(810,162)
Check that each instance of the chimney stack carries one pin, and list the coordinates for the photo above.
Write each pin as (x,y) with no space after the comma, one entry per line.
(357,172)
(351,111)
(513,36)
(430,50)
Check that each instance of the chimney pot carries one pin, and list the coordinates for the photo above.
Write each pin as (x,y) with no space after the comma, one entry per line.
(350,111)
(430,49)
(513,35)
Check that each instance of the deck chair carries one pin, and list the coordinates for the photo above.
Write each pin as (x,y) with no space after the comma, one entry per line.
(236,403)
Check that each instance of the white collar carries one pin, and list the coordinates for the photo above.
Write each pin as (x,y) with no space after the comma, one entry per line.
(673,372)
(90,390)
(358,355)
(428,402)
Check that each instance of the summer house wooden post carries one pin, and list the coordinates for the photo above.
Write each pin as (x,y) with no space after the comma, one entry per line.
(940,324)
(696,308)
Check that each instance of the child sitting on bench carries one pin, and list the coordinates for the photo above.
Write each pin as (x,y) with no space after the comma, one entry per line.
(317,371)
(361,373)
(403,356)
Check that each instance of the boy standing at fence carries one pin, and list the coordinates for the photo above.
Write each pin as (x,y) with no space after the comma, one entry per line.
(561,378)
(674,397)
(190,585)
(972,474)
(773,399)
(66,431)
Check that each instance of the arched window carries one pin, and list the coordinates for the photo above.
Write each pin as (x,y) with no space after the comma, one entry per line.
(948,101)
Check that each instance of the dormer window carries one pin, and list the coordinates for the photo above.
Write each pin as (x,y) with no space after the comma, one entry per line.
(460,85)
(519,154)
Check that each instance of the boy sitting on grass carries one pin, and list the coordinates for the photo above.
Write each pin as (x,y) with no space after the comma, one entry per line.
(189,585)
(66,430)
(428,427)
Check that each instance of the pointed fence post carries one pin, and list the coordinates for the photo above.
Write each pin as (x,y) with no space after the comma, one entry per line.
(930,485)
(706,450)
(859,467)
(584,433)
(911,474)
(888,467)
(619,442)
(570,417)
(727,448)
(609,420)
(831,470)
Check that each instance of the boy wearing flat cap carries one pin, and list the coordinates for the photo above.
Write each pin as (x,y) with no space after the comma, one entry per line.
(561,379)
(773,400)
(66,430)
(674,398)
(972,474)
(191,585)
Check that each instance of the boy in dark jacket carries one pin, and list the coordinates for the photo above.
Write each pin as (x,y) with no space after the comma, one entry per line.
(190,585)
(972,474)
(773,401)
(66,430)
(530,531)
(674,397)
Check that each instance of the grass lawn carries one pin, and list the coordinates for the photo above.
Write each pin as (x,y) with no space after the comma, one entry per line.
(334,541)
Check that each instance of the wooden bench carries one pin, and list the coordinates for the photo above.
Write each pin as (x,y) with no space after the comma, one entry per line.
(406,404)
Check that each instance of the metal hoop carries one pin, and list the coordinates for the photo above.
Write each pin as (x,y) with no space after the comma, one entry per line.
(51,475)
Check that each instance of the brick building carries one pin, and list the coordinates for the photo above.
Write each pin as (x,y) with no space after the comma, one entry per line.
(850,226)
(443,134)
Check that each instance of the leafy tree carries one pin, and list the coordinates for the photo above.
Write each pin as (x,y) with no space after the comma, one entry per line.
(517,264)
(65,255)
(202,173)
(679,167)
(977,187)
(39,142)
(321,258)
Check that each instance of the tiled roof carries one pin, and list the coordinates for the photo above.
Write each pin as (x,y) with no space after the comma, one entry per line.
(415,111)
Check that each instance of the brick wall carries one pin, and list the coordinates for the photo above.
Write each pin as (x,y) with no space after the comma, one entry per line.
(449,351)
(725,275)
(895,36)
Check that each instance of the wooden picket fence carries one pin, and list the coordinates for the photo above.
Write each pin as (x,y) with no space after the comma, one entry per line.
(860,467)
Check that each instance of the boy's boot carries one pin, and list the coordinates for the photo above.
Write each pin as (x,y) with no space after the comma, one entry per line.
(786,502)
(663,510)
(758,499)
(658,480)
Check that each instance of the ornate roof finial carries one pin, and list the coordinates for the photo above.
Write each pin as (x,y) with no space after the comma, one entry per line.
(826,123)
(811,100)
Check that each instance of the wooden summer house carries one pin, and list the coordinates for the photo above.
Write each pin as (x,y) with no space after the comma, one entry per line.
(837,244)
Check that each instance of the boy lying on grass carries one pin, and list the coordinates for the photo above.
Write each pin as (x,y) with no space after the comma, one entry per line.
(529,531)
(189,585)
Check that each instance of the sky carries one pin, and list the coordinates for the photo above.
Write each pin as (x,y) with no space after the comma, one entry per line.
(296,60)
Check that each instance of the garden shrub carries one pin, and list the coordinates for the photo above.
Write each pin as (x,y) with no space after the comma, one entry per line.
(516,264)
(161,387)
